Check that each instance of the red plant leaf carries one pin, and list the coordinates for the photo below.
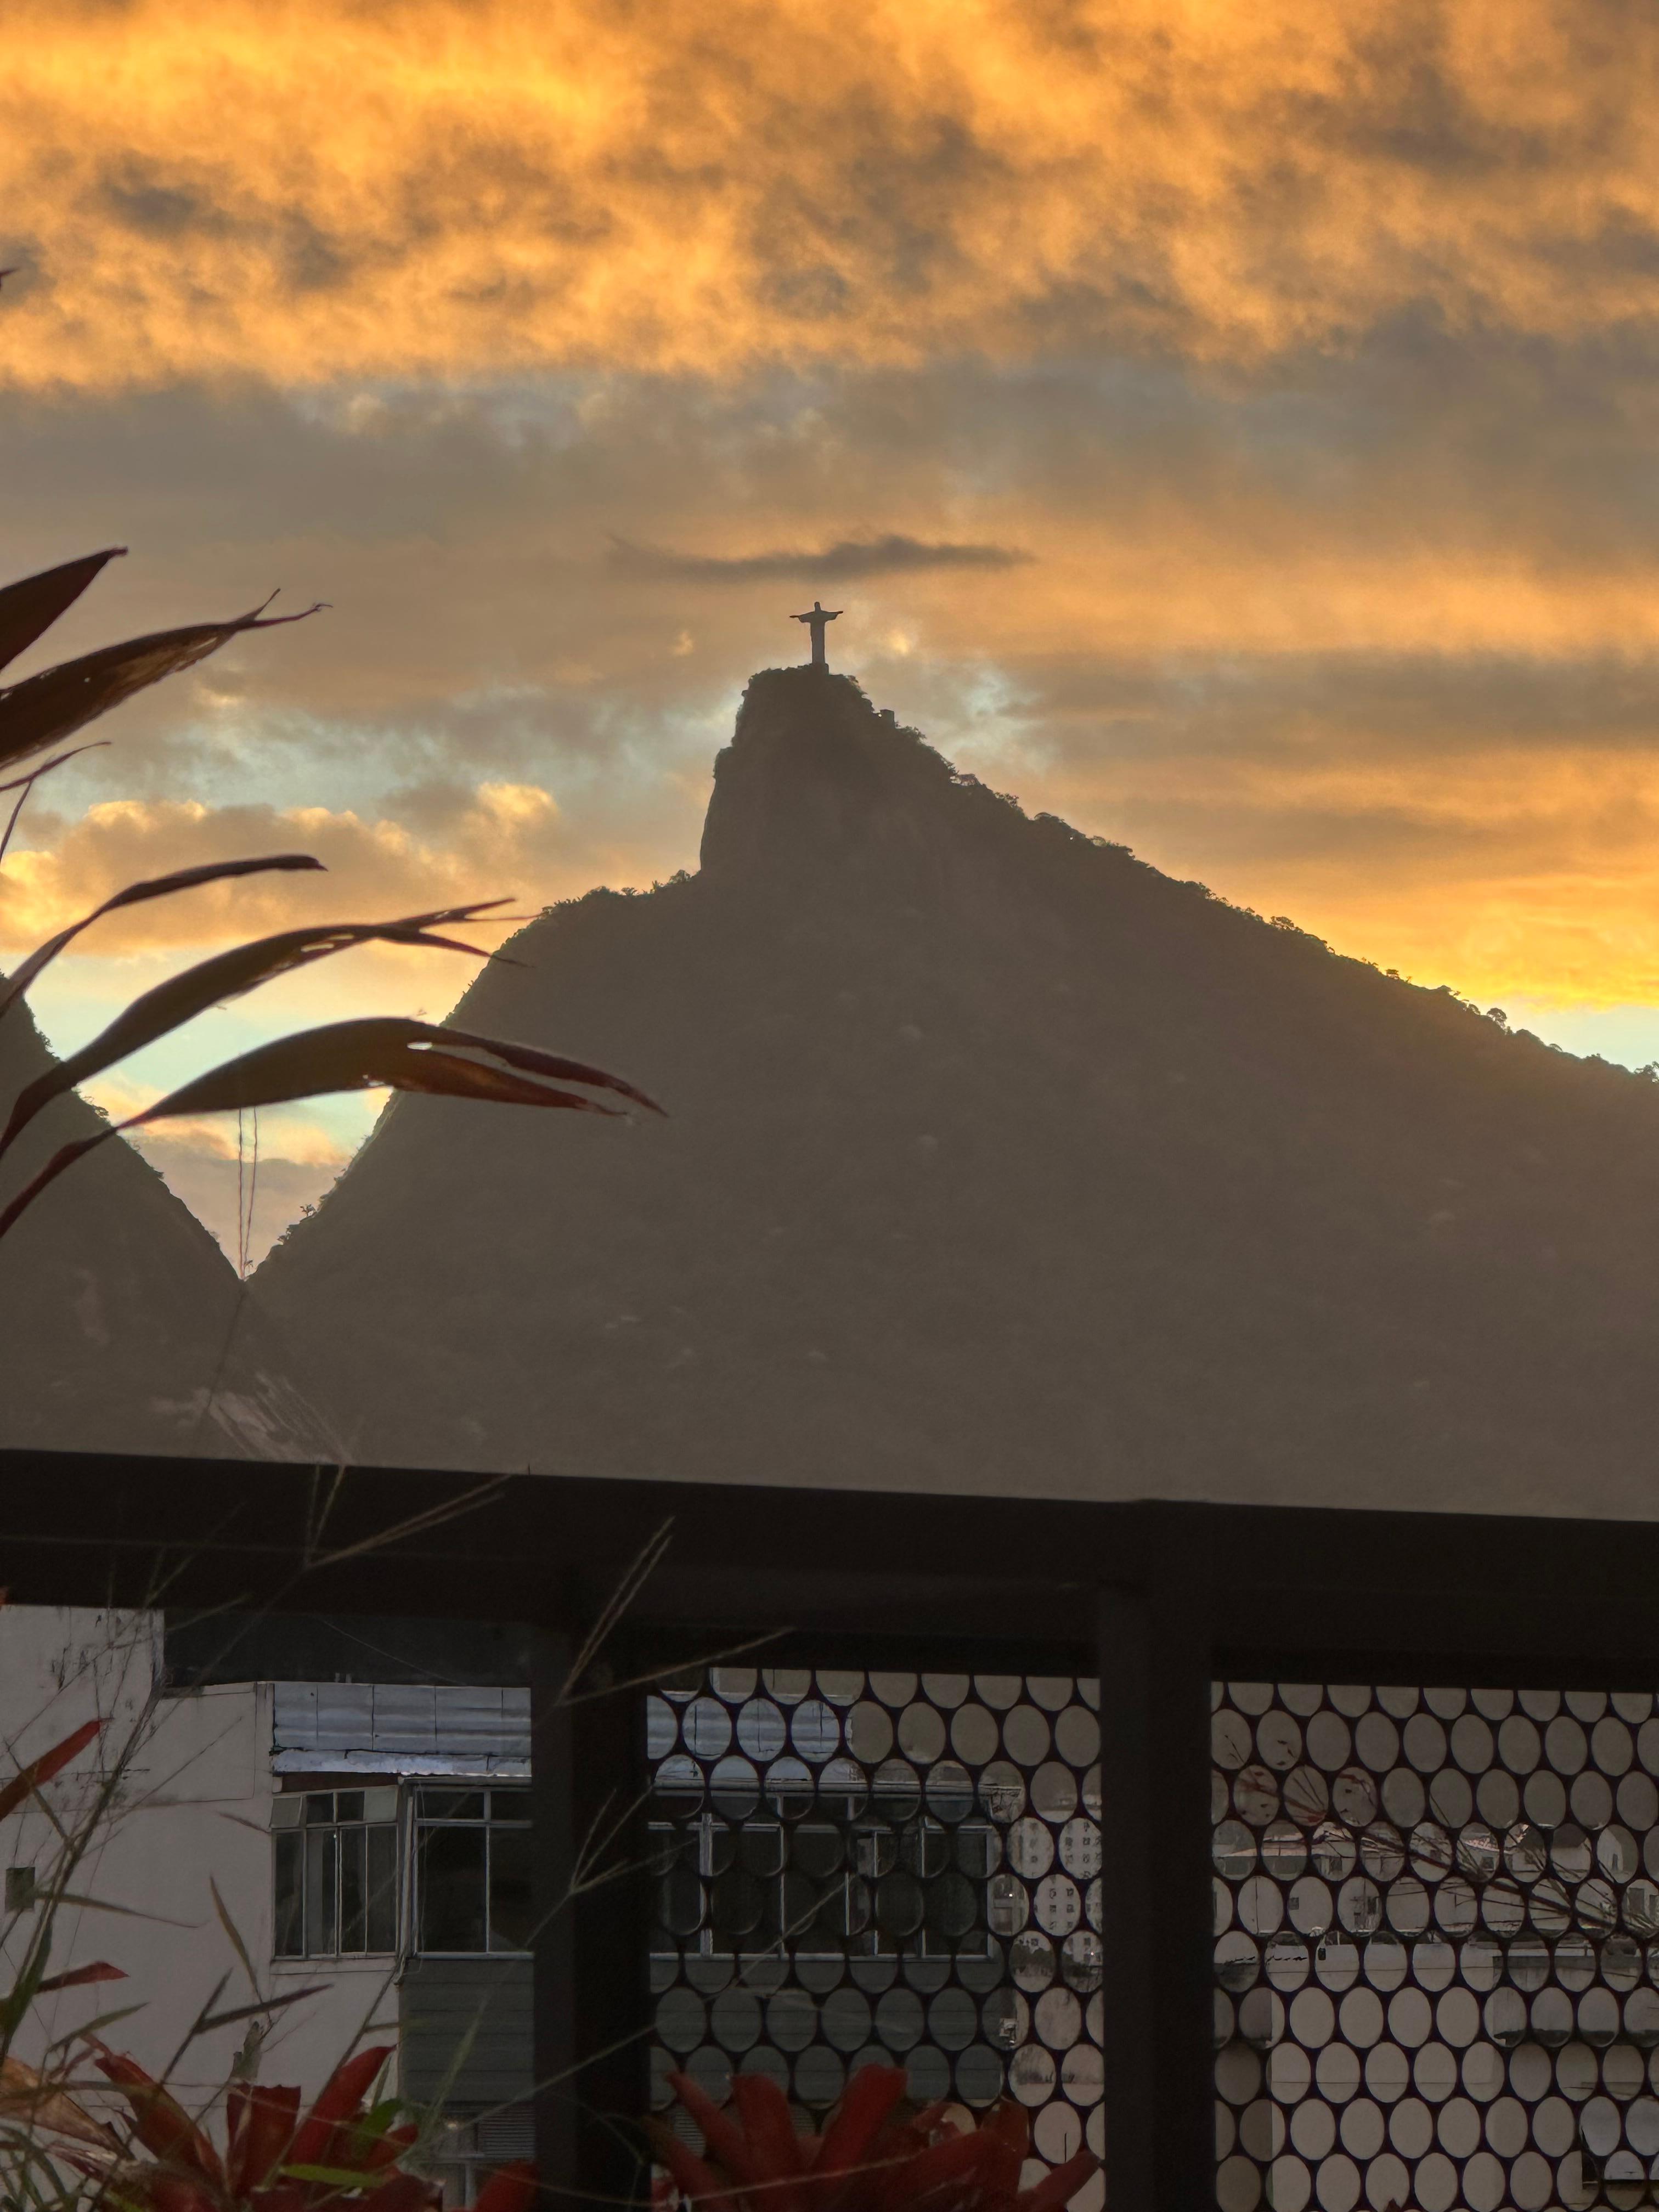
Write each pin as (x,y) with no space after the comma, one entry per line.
(698,2182)
(337,2101)
(260,2124)
(722,2137)
(78,1977)
(1006,2130)
(866,2104)
(956,2159)
(509,2189)
(43,708)
(770,2128)
(159,2121)
(28,1778)
(29,607)
(858,2118)
(865,2162)
(165,2192)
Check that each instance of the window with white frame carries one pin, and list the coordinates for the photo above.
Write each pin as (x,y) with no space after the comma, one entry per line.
(473,1871)
(335,1869)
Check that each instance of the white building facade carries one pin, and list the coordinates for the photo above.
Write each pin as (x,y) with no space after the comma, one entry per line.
(353,1856)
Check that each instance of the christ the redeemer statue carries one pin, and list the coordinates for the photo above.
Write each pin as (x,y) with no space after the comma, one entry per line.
(815,621)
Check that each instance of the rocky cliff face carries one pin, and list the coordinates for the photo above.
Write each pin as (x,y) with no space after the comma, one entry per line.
(996,1161)
(122,1325)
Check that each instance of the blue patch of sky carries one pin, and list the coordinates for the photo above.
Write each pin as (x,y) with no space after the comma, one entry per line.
(1628,1035)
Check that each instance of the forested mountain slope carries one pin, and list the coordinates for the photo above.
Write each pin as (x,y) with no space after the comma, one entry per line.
(123,1325)
(996,1161)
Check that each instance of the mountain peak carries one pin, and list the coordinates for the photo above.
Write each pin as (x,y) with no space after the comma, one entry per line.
(996,1161)
(812,769)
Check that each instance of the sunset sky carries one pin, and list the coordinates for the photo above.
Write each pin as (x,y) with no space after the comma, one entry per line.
(1231,427)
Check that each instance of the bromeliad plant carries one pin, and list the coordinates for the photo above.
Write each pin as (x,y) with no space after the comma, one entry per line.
(879,2153)
(59,2153)
(344,2150)
(345,2153)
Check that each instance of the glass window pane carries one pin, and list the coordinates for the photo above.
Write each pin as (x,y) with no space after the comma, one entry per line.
(380,1804)
(348,1804)
(452,1804)
(287,1812)
(510,1917)
(453,1890)
(510,1804)
(319,1807)
(354,1889)
(321,1924)
(290,1918)
(382,1889)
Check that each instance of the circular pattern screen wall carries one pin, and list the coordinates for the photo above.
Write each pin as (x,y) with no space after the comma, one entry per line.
(1437,1946)
(855,1866)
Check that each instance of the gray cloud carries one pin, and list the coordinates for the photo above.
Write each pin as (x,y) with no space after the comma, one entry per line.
(479,630)
(1279,709)
(848,561)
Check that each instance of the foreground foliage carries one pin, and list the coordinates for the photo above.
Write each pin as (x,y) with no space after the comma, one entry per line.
(42,711)
(877,2154)
(150,2154)
(345,2152)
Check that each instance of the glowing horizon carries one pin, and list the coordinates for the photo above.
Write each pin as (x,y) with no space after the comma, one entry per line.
(1228,428)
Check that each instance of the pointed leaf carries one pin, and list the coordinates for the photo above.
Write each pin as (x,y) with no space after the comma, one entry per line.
(90,2030)
(722,2137)
(236,1935)
(954,2159)
(338,2101)
(373,1053)
(127,1912)
(770,2127)
(28,1779)
(259,2127)
(866,2104)
(160,2122)
(43,708)
(698,2181)
(29,608)
(43,2103)
(258,2008)
(35,774)
(78,1977)
(509,2189)
(210,982)
(181,879)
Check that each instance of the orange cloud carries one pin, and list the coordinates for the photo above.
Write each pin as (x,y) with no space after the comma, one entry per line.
(308,189)
(1508,872)
(505,841)
(201,1167)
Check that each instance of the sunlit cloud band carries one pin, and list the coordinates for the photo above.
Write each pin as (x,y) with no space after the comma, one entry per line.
(298,190)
